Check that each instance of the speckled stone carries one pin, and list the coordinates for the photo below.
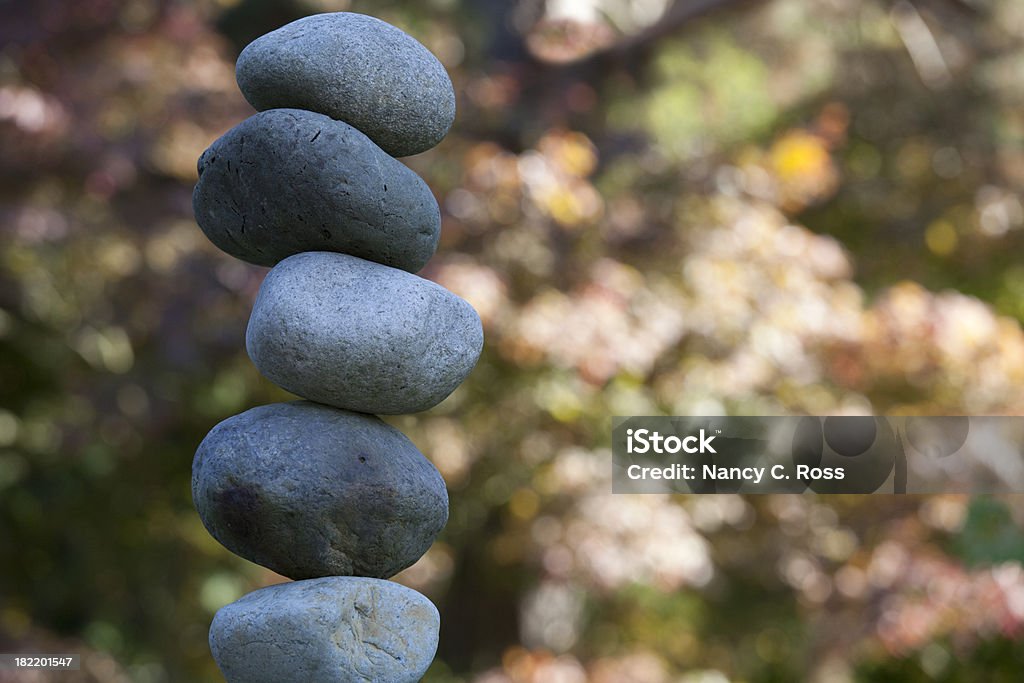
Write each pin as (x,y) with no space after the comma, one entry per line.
(356,69)
(330,630)
(309,490)
(286,181)
(361,336)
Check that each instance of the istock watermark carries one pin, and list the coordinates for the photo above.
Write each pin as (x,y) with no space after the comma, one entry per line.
(646,441)
(833,454)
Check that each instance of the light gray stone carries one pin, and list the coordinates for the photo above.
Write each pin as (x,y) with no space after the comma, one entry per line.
(330,630)
(286,181)
(361,336)
(308,490)
(356,69)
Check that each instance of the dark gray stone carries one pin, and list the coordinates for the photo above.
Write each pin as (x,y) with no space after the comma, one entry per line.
(356,69)
(308,490)
(361,336)
(330,630)
(286,181)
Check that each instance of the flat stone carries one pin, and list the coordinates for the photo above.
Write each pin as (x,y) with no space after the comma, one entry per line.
(330,630)
(356,69)
(286,181)
(361,336)
(308,490)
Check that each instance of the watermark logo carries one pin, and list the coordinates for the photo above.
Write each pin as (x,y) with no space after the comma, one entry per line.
(642,441)
(835,454)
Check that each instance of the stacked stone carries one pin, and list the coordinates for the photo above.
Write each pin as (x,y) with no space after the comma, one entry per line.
(321,490)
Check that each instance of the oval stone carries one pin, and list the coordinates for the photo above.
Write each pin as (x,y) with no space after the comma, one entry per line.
(357,69)
(308,490)
(329,630)
(286,181)
(361,336)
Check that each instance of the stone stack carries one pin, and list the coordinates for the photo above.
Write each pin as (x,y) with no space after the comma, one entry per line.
(321,490)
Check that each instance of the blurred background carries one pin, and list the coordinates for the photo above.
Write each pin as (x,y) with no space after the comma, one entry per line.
(689,207)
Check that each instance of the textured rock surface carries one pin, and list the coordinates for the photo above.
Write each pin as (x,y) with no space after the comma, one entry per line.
(330,630)
(308,490)
(353,68)
(361,336)
(286,181)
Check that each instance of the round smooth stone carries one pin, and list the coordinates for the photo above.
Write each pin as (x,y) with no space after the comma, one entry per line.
(361,336)
(286,181)
(308,490)
(356,69)
(330,630)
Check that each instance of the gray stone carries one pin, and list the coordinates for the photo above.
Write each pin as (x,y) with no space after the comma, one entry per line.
(356,69)
(308,490)
(361,336)
(330,630)
(286,181)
